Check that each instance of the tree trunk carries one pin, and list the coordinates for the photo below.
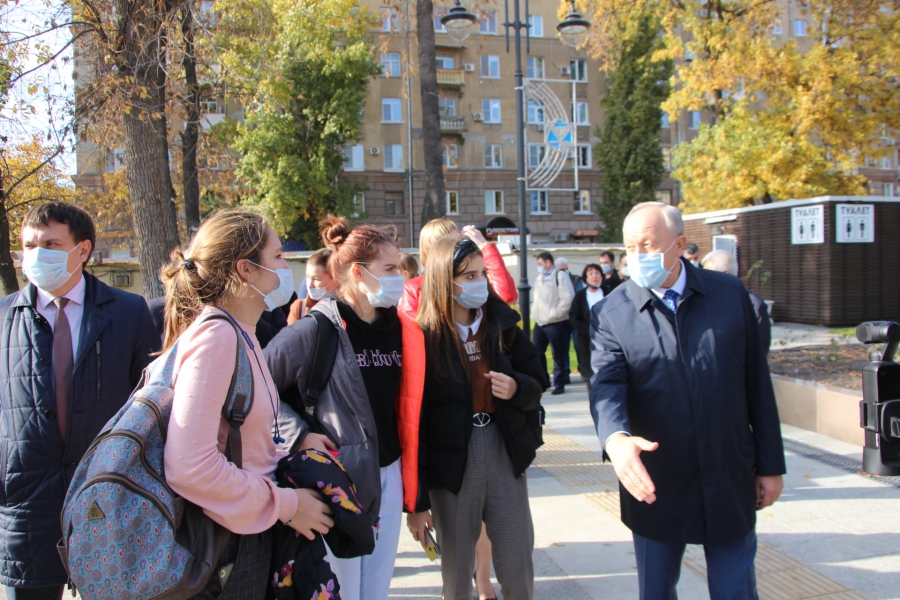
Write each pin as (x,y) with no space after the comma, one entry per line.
(434,205)
(192,125)
(9,283)
(142,59)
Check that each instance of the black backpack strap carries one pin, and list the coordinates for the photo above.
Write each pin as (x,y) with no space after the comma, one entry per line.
(323,360)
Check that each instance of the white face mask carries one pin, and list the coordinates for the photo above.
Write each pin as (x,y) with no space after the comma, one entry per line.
(281,294)
(389,292)
(48,269)
(317,293)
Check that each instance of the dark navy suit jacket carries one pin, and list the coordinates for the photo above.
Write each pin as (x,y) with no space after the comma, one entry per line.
(698,383)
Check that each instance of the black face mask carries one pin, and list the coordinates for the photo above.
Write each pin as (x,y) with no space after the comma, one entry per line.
(593,288)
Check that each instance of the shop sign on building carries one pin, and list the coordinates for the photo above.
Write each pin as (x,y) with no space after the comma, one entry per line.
(855,223)
(808,224)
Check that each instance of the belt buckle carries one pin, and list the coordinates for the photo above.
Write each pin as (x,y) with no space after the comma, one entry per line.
(481,419)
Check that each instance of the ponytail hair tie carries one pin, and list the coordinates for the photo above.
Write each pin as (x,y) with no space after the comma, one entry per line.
(187,264)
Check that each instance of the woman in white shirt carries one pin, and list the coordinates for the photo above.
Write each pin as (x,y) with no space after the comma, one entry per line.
(580,317)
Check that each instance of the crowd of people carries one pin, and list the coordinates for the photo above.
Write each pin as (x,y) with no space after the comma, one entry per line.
(422,388)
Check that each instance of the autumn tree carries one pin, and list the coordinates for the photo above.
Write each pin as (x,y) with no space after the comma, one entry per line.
(629,153)
(789,116)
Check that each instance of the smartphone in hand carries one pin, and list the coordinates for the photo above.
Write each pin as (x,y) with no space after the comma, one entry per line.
(431,548)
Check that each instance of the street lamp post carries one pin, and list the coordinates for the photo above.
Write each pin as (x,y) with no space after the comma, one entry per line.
(573,31)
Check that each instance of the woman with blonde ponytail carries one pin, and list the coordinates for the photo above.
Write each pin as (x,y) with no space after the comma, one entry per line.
(234,266)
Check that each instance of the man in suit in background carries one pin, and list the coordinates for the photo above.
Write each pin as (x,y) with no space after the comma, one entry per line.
(725,262)
(692,254)
(684,407)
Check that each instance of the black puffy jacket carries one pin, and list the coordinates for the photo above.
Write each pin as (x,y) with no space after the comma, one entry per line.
(117,337)
(447,406)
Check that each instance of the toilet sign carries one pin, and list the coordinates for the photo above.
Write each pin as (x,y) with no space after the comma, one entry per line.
(855,223)
(808,224)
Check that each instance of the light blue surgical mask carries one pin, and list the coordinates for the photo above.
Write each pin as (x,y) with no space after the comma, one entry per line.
(607,269)
(316,293)
(280,295)
(48,269)
(648,270)
(389,292)
(473,295)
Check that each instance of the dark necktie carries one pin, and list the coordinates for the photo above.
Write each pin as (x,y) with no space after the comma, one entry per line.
(671,299)
(63,362)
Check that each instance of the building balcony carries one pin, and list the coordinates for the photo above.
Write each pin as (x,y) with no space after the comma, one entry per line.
(453,125)
(451,77)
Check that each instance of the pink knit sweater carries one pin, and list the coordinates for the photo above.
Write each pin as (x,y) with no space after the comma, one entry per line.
(244,501)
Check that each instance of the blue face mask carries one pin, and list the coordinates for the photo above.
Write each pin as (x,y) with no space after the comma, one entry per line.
(607,269)
(48,269)
(280,295)
(389,292)
(649,270)
(473,294)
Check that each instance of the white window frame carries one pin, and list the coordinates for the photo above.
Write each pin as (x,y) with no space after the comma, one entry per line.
(442,59)
(539,195)
(490,109)
(388,63)
(583,197)
(448,105)
(695,119)
(356,156)
(493,154)
(536,154)
(359,204)
(777,27)
(588,163)
(392,102)
(451,156)
(490,202)
(667,160)
(212,105)
(488,22)
(114,160)
(578,70)
(535,113)
(536,28)
(438,15)
(389,20)
(664,122)
(579,113)
(534,67)
(395,152)
(490,61)
(800,29)
(664,196)
(448,194)
(402,205)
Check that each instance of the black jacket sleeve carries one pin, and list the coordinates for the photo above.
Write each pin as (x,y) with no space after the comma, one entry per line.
(146,341)
(523,357)
(579,315)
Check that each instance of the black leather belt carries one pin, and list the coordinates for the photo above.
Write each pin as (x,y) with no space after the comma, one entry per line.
(482,419)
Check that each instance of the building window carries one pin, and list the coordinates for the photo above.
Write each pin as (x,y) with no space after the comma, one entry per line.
(583,155)
(443,61)
(493,156)
(777,29)
(491,111)
(583,202)
(534,68)
(664,196)
(452,202)
(393,157)
(886,163)
(353,158)
(115,159)
(389,21)
(537,26)
(488,22)
(490,66)
(206,15)
(438,15)
(493,202)
(800,27)
(578,69)
(579,113)
(667,159)
(535,112)
(391,110)
(451,156)
(536,154)
(539,204)
(390,65)
(359,204)
(888,189)
(664,122)
(447,107)
(393,203)
(211,106)
(695,119)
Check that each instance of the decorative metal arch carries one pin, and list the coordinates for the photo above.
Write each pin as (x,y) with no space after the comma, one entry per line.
(560,135)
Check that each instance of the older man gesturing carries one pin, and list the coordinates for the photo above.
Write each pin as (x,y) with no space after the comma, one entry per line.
(684,407)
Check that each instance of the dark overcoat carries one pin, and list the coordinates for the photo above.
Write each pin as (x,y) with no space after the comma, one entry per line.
(697,382)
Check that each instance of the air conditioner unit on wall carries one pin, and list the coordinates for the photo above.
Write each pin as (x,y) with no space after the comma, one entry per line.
(540,127)
(477,117)
(469,67)
(560,237)
(120,279)
(565,70)
(374,150)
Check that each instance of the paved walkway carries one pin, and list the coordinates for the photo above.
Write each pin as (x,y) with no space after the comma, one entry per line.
(835,534)
(793,335)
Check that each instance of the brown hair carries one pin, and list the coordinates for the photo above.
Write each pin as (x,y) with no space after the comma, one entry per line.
(435,315)
(319,258)
(207,271)
(408,263)
(431,232)
(360,244)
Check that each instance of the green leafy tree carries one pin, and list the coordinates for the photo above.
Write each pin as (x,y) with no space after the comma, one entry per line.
(629,153)
(305,110)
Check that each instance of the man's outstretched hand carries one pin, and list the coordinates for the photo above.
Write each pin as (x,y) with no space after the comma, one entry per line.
(625,453)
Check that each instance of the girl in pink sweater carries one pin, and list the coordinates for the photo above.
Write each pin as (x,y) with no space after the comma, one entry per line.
(234,264)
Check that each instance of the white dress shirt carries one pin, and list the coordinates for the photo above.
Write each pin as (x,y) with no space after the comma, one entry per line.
(593,297)
(464,330)
(74,311)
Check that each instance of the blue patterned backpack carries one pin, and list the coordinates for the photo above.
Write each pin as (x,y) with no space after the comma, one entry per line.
(126,534)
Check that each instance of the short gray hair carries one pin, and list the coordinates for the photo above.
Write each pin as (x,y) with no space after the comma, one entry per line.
(562,260)
(670,213)
(721,260)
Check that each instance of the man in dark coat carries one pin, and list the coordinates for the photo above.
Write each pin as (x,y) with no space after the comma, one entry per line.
(685,410)
(73,351)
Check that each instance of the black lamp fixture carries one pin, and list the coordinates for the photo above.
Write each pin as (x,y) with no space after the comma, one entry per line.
(458,22)
(573,29)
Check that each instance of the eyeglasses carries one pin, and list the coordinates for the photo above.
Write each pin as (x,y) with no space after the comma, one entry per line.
(463,249)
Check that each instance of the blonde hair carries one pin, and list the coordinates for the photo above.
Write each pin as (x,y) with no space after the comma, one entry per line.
(408,263)
(207,271)
(431,232)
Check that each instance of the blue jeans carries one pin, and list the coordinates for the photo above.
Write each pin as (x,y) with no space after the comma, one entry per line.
(555,335)
(731,574)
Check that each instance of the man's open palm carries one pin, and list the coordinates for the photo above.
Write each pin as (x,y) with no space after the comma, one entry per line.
(625,453)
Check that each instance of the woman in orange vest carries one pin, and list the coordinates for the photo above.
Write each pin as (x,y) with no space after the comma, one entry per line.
(481,423)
